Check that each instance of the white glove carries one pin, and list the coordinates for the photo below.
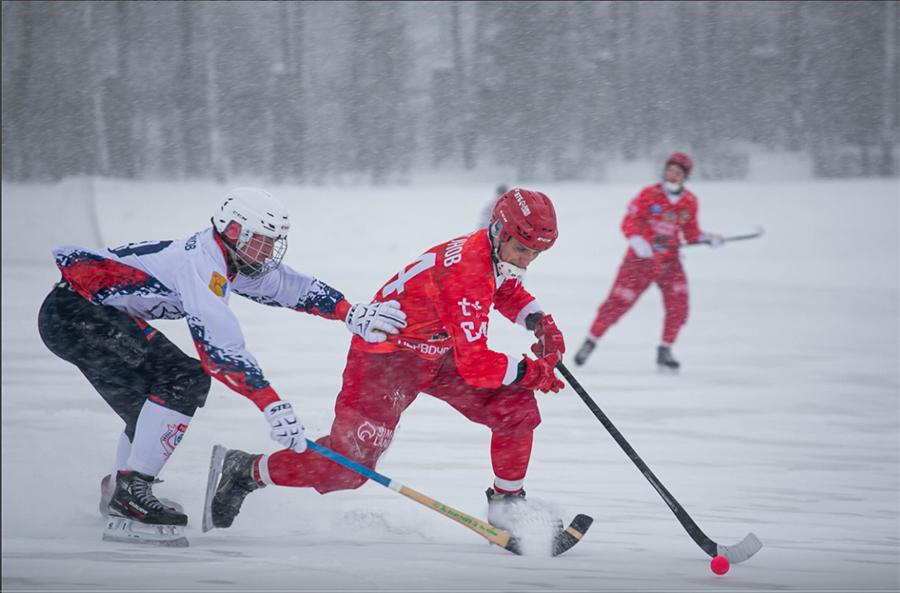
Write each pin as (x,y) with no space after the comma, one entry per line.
(641,247)
(713,239)
(374,321)
(286,429)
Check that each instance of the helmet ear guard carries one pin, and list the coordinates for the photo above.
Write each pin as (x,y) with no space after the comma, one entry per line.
(232,233)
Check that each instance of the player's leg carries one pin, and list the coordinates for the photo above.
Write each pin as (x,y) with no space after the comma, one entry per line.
(157,400)
(674,287)
(126,363)
(512,415)
(632,279)
(376,389)
(112,350)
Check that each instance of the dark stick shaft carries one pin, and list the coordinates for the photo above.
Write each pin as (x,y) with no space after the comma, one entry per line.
(726,239)
(708,545)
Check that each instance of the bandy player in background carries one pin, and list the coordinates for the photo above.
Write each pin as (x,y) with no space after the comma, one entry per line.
(656,220)
(447,294)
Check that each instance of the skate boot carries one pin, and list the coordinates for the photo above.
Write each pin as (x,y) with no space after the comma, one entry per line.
(224,496)
(533,526)
(504,509)
(137,516)
(582,355)
(108,488)
(664,358)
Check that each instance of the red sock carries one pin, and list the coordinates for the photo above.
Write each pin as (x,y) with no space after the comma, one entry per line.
(509,458)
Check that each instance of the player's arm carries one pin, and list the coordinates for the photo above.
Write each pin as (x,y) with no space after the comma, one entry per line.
(691,227)
(635,227)
(286,287)
(693,234)
(515,303)
(223,354)
(463,306)
(218,337)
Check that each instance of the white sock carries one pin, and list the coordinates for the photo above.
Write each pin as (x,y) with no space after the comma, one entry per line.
(158,432)
(123,451)
(264,471)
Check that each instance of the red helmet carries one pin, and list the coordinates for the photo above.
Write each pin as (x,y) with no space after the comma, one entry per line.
(526,215)
(682,160)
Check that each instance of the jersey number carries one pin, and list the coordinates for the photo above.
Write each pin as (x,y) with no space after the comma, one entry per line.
(425,262)
(141,248)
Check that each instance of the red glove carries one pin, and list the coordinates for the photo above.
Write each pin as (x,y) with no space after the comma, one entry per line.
(550,339)
(539,374)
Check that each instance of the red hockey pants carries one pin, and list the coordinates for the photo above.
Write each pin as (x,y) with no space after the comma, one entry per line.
(377,389)
(635,275)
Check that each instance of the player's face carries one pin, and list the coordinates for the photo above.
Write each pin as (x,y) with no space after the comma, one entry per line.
(674,174)
(517,254)
(258,250)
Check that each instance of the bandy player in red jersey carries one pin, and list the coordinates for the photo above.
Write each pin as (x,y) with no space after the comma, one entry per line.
(656,220)
(447,294)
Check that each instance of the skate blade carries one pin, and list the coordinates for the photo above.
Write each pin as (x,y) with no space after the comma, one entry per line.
(122,529)
(664,370)
(212,482)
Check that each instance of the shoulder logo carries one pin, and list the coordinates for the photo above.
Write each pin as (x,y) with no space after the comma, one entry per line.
(218,284)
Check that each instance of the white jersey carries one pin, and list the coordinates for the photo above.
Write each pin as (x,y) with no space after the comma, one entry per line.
(189,278)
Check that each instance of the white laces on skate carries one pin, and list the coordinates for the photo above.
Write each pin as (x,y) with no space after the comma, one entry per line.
(144,493)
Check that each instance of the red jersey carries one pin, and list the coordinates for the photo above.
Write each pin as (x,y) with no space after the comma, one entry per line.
(652,216)
(447,294)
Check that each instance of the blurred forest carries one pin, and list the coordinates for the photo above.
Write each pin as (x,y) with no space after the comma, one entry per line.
(369,91)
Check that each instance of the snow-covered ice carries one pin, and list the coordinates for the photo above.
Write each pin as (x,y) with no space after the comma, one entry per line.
(785,419)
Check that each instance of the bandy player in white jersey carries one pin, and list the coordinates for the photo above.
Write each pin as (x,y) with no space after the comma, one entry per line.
(96,318)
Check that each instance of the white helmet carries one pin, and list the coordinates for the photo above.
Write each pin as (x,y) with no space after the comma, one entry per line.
(254,225)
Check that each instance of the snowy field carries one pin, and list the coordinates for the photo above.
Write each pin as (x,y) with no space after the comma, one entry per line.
(785,419)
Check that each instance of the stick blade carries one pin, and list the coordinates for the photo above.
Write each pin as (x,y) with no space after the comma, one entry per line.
(572,534)
(748,546)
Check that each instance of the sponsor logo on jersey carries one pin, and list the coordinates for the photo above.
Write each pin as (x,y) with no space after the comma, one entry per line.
(685,215)
(469,328)
(655,209)
(670,216)
(218,284)
(426,349)
(380,436)
(469,309)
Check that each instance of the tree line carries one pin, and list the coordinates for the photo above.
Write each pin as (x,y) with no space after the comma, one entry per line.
(369,91)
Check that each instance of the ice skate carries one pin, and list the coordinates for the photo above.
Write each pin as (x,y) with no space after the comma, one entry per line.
(108,487)
(510,512)
(582,355)
(535,526)
(664,359)
(137,516)
(230,480)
